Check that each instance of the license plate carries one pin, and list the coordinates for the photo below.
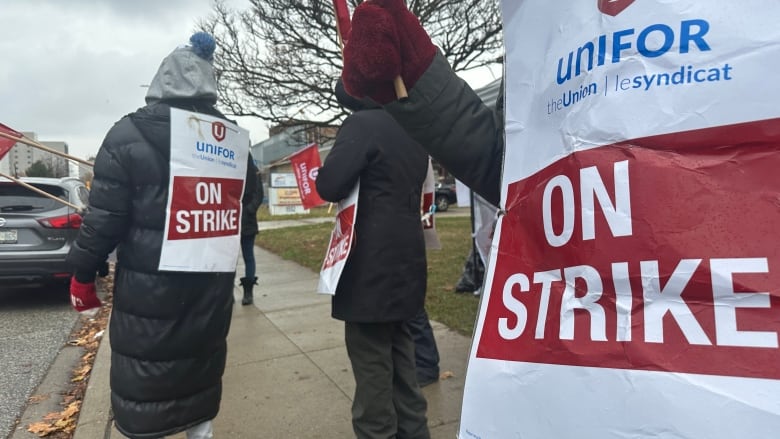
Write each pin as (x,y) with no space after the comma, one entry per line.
(8,237)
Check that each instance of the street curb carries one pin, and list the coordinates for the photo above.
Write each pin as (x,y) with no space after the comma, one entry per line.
(54,384)
(95,414)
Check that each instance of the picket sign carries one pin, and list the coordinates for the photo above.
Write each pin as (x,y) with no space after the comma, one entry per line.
(306,165)
(203,215)
(341,239)
(429,210)
(634,281)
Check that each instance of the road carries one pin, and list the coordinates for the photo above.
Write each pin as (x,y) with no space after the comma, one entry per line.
(36,323)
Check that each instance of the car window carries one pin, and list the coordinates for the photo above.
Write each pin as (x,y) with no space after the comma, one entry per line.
(17,198)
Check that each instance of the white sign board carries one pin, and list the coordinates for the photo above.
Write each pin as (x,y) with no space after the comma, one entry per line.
(634,281)
(207,173)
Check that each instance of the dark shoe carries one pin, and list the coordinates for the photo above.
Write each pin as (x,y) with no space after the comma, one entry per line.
(247,284)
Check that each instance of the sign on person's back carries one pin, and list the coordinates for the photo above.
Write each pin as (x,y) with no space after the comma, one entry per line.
(635,278)
(208,168)
(341,240)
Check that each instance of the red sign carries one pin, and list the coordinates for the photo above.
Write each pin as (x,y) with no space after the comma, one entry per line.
(614,7)
(205,207)
(5,143)
(654,254)
(306,164)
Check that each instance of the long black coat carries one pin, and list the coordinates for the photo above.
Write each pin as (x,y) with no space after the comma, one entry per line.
(384,279)
(168,330)
(250,202)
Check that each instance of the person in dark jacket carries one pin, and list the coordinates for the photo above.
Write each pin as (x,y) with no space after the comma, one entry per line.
(384,279)
(168,329)
(426,352)
(251,202)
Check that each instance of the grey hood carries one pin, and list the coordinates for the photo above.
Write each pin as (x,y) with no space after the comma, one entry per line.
(183,75)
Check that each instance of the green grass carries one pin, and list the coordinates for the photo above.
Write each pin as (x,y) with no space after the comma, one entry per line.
(305,245)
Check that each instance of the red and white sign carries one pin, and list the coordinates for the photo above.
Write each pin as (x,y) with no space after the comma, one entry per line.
(203,219)
(306,164)
(341,240)
(429,210)
(634,281)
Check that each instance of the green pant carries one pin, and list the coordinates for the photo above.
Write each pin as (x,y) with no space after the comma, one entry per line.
(388,402)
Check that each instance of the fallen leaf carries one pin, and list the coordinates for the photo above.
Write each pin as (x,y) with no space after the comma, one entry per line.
(42,429)
(35,399)
(82,373)
(71,410)
(52,416)
(446,375)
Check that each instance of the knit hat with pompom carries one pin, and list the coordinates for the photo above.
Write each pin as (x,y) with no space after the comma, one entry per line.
(187,73)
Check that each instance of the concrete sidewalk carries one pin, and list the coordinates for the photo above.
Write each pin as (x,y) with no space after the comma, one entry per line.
(288,375)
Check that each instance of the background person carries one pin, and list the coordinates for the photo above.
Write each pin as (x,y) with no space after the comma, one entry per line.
(168,329)
(426,353)
(384,280)
(250,202)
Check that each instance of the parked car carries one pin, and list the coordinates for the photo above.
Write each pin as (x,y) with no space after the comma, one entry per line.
(445,196)
(36,232)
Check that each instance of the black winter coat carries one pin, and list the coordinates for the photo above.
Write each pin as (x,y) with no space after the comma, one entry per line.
(250,202)
(384,279)
(452,123)
(168,330)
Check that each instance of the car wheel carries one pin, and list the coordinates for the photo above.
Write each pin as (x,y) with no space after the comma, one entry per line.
(442,203)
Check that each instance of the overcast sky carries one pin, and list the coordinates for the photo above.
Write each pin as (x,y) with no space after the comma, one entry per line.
(71,68)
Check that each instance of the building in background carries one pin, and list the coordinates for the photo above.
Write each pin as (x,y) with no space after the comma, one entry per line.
(272,159)
(288,138)
(58,165)
(21,157)
(13,162)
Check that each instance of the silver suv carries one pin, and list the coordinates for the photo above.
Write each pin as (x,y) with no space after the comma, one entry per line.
(36,232)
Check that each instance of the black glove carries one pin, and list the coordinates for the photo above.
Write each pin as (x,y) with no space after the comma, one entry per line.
(102,271)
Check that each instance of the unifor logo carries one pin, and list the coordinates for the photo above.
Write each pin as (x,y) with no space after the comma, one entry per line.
(614,7)
(218,130)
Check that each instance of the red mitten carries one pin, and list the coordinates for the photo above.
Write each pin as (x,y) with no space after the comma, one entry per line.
(83,296)
(386,41)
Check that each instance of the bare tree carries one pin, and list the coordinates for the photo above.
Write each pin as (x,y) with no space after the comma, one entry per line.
(279,57)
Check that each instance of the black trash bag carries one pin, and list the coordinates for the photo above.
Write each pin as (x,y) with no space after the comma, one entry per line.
(473,274)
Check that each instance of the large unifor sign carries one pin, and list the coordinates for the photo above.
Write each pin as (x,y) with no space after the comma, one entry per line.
(635,277)
(207,173)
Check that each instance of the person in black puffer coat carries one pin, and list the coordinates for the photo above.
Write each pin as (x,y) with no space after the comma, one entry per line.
(384,280)
(168,329)
(250,202)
